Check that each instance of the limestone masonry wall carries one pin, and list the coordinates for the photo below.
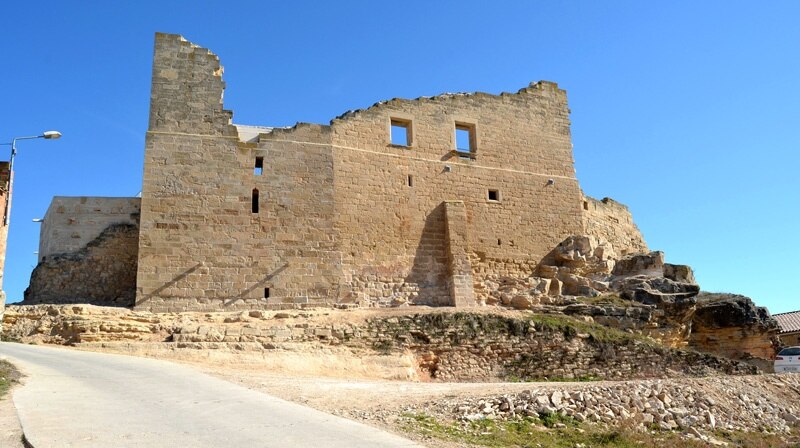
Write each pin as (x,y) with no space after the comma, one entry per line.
(343,213)
(102,273)
(393,234)
(612,221)
(790,339)
(246,217)
(72,222)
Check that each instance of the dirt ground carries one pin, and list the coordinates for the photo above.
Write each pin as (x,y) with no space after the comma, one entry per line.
(375,402)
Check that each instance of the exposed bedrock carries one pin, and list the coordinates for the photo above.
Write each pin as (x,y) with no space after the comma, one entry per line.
(733,326)
(584,276)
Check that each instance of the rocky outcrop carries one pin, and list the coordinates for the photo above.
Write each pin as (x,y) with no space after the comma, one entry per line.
(580,265)
(75,324)
(640,292)
(679,273)
(733,326)
(102,273)
(446,345)
(660,295)
(647,264)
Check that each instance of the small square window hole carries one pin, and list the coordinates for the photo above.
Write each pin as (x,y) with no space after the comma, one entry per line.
(494,195)
(401,132)
(466,141)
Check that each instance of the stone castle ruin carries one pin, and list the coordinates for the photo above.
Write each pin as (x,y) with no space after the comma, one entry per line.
(451,200)
(405,202)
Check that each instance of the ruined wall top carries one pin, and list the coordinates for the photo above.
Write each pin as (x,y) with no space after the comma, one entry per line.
(187,89)
(613,222)
(72,222)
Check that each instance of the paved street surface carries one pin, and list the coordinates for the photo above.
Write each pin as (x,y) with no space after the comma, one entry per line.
(82,399)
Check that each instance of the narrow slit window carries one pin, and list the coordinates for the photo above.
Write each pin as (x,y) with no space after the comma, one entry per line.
(586,205)
(401,132)
(259,168)
(410,180)
(255,201)
(465,140)
(494,195)
(266,293)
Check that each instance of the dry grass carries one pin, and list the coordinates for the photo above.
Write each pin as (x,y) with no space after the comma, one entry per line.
(8,376)
(553,431)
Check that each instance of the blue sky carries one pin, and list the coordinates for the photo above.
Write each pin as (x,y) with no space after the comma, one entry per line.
(688,112)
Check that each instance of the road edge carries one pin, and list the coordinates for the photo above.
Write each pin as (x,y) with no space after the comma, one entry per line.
(13,435)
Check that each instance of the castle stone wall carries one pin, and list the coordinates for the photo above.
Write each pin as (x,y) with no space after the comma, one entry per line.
(202,246)
(393,235)
(612,221)
(343,214)
(72,222)
(101,273)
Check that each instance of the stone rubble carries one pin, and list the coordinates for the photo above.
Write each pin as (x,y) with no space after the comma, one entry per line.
(695,407)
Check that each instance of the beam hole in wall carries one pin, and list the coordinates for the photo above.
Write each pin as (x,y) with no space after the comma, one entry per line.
(259,168)
(499,242)
(254,204)
(410,180)
(401,132)
(494,195)
(466,141)
(266,293)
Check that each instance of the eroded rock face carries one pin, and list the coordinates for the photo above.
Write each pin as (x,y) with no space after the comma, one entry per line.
(653,297)
(651,264)
(659,291)
(447,345)
(679,273)
(583,255)
(675,301)
(732,325)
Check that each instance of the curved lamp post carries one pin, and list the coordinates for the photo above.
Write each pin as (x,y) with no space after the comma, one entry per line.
(49,135)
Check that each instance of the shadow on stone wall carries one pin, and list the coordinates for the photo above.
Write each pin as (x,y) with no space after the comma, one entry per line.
(429,271)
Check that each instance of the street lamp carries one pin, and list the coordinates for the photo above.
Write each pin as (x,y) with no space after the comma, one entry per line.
(49,135)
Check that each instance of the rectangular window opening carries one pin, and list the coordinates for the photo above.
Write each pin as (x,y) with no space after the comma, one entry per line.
(410,180)
(255,201)
(586,205)
(499,242)
(266,293)
(401,132)
(494,195)
(259,168)
(465,140)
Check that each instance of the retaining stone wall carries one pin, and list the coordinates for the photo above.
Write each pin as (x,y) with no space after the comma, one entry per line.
(477,347)
(102,273)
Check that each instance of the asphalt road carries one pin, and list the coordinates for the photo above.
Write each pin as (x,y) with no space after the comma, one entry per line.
(81,399)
